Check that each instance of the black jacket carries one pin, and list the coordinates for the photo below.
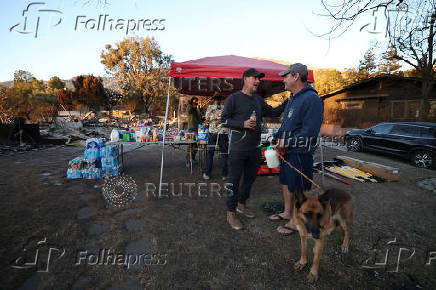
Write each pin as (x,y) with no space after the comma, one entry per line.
(237,109)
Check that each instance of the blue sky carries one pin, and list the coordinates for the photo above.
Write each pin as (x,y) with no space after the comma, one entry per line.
(192,29)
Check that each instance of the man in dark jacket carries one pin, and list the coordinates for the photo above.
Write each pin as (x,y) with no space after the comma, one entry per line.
(194,115)
(242,113)
(298,136)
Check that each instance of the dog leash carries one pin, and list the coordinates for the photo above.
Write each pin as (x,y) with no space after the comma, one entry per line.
(301,173)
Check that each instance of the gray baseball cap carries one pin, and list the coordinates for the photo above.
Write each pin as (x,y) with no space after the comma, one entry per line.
(299,68)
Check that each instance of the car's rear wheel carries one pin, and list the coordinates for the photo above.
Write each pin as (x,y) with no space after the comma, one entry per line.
(354,144)
(423,159)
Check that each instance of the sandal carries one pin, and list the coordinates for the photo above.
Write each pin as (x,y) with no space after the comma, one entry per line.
(277,217)
(291,231)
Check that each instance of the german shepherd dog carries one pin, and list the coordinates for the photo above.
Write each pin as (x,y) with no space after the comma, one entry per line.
(316,217)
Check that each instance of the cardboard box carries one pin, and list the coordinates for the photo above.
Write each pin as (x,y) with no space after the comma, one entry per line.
(386,172)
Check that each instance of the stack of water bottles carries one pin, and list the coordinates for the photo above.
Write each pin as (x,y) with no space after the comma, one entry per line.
(75,168)
(110,163)
(98,161)
(92,169)
(203,132)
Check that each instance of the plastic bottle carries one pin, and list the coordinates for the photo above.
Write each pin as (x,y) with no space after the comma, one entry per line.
(115,136)
(253,116)
(154,135)
(272,158)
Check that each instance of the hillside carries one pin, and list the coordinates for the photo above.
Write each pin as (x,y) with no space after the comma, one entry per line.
(7,84)
(273,60)
(108,82)
(286,62)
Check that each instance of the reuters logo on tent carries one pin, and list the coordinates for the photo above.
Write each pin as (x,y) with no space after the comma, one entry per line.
(205,85)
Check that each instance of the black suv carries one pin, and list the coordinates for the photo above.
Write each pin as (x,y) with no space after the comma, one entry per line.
(412,140)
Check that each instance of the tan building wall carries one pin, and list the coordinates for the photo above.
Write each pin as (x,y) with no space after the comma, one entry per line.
(378,101)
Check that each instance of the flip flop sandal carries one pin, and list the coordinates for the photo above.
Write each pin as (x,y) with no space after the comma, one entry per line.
(292,231)
(277,217)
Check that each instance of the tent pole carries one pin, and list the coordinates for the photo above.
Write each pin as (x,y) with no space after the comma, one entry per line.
(164,134)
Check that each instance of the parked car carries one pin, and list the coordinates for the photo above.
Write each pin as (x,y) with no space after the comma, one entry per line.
(415,141)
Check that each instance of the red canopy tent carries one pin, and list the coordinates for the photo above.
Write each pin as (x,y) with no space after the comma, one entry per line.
(205,76)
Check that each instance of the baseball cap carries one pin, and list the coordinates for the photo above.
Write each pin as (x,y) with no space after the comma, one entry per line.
(252,72)
(299,68)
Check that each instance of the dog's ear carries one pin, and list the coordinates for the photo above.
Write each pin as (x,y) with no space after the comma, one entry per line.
(325,197)
(300,198)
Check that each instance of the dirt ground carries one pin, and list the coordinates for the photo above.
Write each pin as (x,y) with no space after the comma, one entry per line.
(187,234)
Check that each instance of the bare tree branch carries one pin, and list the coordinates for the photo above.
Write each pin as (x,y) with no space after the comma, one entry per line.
(410,28)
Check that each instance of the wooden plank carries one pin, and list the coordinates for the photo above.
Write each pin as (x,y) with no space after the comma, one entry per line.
(386,172)
(338,170)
